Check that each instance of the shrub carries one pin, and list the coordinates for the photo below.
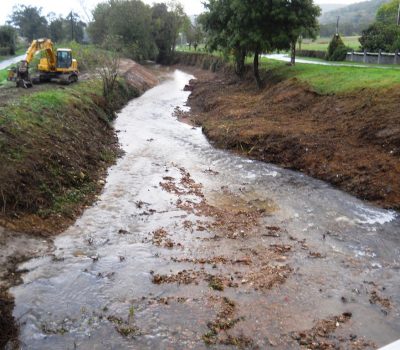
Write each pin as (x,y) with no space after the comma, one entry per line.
(337,50)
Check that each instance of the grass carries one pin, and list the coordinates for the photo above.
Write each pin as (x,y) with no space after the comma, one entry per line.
(333,79)
(321,44)
(3,75)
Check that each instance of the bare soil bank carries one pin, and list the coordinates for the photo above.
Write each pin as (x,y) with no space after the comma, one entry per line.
(351,140)
(56,144)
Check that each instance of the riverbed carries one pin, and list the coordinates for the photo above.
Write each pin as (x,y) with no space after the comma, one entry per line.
(190,246)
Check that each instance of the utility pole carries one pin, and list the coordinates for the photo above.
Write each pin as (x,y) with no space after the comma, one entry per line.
(72,25)
(337,26)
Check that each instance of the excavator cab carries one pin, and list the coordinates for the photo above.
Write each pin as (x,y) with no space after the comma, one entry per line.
(64,58)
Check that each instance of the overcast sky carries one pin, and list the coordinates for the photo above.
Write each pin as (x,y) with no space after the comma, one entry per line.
(192,7)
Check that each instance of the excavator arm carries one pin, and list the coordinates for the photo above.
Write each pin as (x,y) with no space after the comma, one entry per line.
(42,45)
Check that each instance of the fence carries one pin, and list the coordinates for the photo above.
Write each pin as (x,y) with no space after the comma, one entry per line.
(374,57)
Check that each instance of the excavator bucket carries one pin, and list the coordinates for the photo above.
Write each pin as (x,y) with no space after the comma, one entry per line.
(23,79)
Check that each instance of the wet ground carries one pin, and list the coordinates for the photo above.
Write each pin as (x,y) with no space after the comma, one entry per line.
(189,247)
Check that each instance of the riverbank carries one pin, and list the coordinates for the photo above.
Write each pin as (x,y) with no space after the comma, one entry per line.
(350,139)
(56,144)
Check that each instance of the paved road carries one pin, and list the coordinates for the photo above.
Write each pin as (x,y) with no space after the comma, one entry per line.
(10,61)
(286,58)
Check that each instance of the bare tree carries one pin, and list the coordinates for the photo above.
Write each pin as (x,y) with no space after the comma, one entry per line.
(108,70)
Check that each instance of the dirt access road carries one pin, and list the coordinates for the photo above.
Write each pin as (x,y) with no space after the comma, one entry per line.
(189,246)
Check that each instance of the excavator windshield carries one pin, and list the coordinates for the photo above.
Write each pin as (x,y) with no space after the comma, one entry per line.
(64,58)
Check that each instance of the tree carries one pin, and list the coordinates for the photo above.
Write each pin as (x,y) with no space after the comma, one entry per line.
(129,21)
(98,27)
(8,37)
(189,32)
(219,24)
(56,27)
(74,27)
(194,32)
(337,50)
(167,22)
(387,13)
(380,36)
(253,26)
(298,17)
(29,21)
(163,31)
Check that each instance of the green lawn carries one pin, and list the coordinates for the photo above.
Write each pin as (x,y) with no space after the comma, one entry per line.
(321,44)
(333,79)
(3,75)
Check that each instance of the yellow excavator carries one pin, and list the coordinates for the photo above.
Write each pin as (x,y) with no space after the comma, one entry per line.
(56,65)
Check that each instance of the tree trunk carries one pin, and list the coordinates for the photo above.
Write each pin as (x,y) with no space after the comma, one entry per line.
(240,58)
(256,69)
(293,53)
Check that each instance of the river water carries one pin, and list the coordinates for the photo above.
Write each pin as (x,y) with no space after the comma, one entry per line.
(174,206)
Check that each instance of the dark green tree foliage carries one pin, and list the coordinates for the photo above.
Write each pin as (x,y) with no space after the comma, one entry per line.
(296,18)
(223,31)
(73,28)
(194,32)
(127,22)
(387,13)
(337,50)
(70,28)
(380,37)
(254,26)
(166,24)
(56,28)
(29,21)
(384,34)
(8,37)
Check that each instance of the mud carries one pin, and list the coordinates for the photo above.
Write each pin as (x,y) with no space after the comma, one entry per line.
(262,256)
(351,140)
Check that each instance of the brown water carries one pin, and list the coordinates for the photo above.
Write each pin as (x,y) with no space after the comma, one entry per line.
(95,290)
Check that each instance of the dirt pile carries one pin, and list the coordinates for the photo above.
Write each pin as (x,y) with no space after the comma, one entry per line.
(55,145)
(350,140)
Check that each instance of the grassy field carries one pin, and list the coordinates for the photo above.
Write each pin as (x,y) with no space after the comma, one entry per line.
(333,79)
(3,75)
(321,44)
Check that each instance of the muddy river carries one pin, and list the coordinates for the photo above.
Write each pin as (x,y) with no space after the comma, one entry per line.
(189,246)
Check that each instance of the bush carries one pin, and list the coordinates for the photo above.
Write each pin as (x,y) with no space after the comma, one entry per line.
(337,50)
(380,37)
(8,37)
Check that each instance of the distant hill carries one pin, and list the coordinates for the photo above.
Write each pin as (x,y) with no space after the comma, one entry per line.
(329,7)
(358,13)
